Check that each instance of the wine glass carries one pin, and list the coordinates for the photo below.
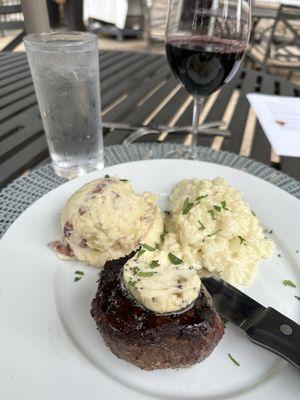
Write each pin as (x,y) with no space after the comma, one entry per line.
(205,44)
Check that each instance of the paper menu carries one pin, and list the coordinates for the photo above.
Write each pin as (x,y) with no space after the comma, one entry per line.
(279,117)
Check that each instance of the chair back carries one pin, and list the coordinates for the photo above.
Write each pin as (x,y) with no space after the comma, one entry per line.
(11,16)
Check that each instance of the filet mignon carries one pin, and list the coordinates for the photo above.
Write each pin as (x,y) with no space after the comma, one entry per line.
(148,340)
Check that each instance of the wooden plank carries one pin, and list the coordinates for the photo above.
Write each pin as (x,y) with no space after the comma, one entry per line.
(238,121)
(139,115)
(17,95)
(126,83)
(24,159)
(4,61)
(112,59)
(218,110)
(19,84)
(11,9)
(13,71)
(17,107)
(29,118)
(120,64)
(129,72)
(165,115)
(16,63)
(122,112)
(15,25)
(104,55)
(17,139)
(8,55)
(143,113)
(13,79)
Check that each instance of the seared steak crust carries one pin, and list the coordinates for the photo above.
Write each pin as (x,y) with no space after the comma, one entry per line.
(148,340)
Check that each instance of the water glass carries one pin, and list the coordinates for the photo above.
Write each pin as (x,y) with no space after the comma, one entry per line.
(65,72)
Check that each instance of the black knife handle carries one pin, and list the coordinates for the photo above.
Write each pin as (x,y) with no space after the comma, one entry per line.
(278,334)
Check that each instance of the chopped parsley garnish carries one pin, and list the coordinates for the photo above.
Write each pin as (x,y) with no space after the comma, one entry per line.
(269,231)
(147,247)
(233,360)
(145,274)
(140,252)
(167,213)
(253,213)
(224,206)
(78,275)
(123,180)
(174,260)
(201,226)
(242,240)
(287,282)
(187,206)
(163,234)
(297,297)
(106,176)
(136,270)
(131,283)
(212,214)
(199,198)
(156,246)
(154,264)
(214,233)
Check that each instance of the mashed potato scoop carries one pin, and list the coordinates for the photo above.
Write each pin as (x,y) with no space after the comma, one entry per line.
(105,220)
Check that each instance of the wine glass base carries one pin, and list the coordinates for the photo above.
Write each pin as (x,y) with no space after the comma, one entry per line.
(185,152)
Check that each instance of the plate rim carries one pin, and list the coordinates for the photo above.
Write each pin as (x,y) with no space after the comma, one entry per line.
(92,173)
(87,177)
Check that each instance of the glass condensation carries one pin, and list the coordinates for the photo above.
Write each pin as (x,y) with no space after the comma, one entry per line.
(65,71)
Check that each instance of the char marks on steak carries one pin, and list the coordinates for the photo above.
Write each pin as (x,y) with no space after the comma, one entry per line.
(148,340)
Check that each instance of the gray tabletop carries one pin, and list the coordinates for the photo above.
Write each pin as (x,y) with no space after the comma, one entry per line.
(24,191)
(138,88)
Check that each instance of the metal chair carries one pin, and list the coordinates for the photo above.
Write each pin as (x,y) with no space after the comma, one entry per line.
(11,18)
(279,47)
(155,12)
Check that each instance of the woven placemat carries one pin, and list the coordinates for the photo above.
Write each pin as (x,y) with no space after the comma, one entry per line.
(24,191)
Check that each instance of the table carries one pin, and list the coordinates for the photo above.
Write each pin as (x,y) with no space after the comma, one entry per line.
(25,190)
(282,2)
(137,88)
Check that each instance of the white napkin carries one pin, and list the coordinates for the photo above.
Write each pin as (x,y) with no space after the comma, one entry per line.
(279,117)
(111,11)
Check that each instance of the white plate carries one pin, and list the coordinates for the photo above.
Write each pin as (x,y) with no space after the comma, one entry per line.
(50,348)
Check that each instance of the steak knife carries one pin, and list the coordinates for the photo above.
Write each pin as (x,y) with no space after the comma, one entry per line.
(265,327)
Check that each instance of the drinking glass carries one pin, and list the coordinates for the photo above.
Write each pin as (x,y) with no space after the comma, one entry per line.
(65,72)
(205,44)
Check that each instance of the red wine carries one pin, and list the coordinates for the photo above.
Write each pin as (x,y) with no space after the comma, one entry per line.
(202,65)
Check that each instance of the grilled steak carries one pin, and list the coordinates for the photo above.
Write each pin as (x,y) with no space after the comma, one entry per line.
(148,340)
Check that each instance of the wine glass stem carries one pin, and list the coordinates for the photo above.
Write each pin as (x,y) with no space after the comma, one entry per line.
(198,105)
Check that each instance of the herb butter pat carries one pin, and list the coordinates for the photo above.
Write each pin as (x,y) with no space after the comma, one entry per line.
(158,284)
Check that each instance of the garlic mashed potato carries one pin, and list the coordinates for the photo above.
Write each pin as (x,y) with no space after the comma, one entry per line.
(216,230)
(105,220)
